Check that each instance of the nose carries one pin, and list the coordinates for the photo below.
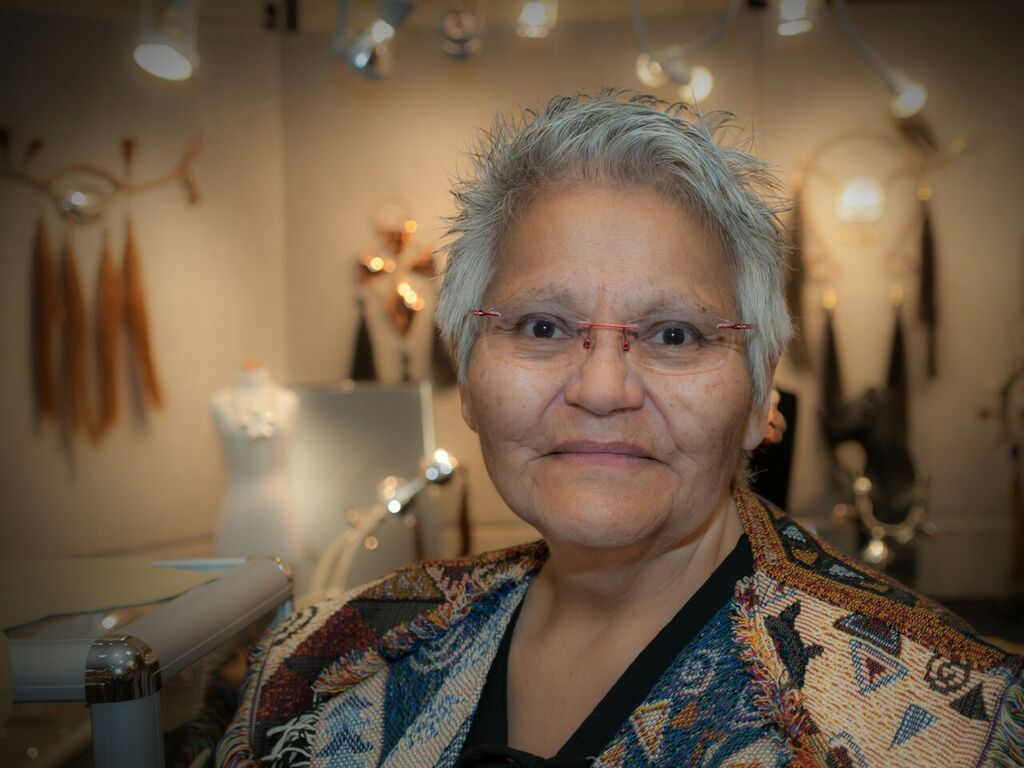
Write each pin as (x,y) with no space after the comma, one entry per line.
(606,381)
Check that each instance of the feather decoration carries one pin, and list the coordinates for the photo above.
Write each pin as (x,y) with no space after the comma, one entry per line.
(928,309)
(76,336)
(896,381)
(47,318)
(799,355)
(110,312)
(138,321)
(364,367)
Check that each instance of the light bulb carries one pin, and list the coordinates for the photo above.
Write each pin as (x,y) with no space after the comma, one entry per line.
(860,200)
(909,99)
(163,60)
(649,71)
(536,18)
(699,86)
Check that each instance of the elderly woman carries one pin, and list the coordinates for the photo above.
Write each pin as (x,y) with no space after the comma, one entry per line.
(613,297)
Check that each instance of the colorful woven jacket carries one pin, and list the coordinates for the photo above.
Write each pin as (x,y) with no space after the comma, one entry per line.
(836,666)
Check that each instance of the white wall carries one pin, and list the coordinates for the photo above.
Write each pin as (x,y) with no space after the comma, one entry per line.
(349,142)
(299,150)
(214,273)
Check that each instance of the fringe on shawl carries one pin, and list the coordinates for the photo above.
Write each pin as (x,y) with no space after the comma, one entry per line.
(773,696)
(1006,748)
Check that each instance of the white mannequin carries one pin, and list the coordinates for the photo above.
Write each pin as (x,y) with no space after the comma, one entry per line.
(254,419)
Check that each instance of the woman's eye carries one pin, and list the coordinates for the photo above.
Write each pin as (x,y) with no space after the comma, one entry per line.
(675,335)
(539,328)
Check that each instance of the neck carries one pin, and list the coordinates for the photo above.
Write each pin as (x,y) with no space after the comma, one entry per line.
(605,585)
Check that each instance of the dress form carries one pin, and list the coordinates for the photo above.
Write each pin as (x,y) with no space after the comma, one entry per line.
(255,420)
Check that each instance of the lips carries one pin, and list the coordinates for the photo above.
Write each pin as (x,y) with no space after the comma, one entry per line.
(597,449)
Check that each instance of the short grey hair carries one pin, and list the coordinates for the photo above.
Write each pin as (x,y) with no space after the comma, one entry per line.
(617,138)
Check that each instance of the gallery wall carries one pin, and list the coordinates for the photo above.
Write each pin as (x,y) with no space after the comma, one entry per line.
(214,273)
(298,151)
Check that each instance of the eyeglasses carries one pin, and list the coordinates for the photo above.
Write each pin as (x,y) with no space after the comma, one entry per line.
(675,343)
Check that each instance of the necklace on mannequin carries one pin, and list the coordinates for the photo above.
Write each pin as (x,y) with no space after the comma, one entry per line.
(253,404)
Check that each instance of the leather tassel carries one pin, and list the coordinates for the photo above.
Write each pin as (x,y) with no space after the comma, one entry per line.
(110,311)
(831,379)
(76,347)
(442,370)
(799,354)
(928,309)
(364,367)
(896,381)
(138,321)
(47,318)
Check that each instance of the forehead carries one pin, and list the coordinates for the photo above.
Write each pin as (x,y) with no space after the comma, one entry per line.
(612,249)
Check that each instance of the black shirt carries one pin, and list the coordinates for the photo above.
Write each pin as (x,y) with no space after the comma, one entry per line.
(487,742)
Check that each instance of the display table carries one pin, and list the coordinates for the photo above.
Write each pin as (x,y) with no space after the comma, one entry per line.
(121,675)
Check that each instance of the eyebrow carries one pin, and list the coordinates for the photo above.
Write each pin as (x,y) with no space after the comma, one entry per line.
(662,302)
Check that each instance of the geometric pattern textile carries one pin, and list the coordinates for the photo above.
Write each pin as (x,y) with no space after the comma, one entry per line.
(817,661)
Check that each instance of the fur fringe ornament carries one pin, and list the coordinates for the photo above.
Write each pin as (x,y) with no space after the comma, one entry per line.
(364,367)
(110,312)
(47,319)
(928,308)
(799,354)
(138,321)
(76,346)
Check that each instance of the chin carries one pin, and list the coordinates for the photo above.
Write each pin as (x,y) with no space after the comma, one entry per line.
(599,520)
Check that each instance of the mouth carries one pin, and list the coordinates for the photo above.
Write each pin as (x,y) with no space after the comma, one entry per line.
(593,451)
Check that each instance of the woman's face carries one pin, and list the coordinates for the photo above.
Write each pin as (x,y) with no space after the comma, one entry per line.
(605,453)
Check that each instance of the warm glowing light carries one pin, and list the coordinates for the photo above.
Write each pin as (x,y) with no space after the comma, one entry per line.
(381,31)
(411,298)
(795,17)
(403,289)
(389,266)
(649,71)
(860,200)
(790,28)
(164,61)
(536,18)
(371,543)
(829,299)
(411,226)
(394,506)
(376,263)
(699,87)
(909,100)
(441,456)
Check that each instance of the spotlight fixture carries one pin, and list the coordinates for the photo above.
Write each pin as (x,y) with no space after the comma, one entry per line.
(795,16)
(369,52)
(166,44)
(698,85)
(908,97)
(461,31)
(654,67)
(536,18)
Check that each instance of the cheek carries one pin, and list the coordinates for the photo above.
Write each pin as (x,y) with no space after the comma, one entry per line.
(708,416)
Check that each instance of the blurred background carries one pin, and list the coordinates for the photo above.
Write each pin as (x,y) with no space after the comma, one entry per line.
(286,191)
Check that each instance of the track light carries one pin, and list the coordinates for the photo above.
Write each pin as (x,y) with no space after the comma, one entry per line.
(908,96)
(536,18)
(369,52)
(461,31)
(167,38)
(795,16)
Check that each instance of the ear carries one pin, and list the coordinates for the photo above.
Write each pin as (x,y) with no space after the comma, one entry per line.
(467,407)
(757,419)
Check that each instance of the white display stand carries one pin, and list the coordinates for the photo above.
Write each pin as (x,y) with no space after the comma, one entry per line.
(255,420)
